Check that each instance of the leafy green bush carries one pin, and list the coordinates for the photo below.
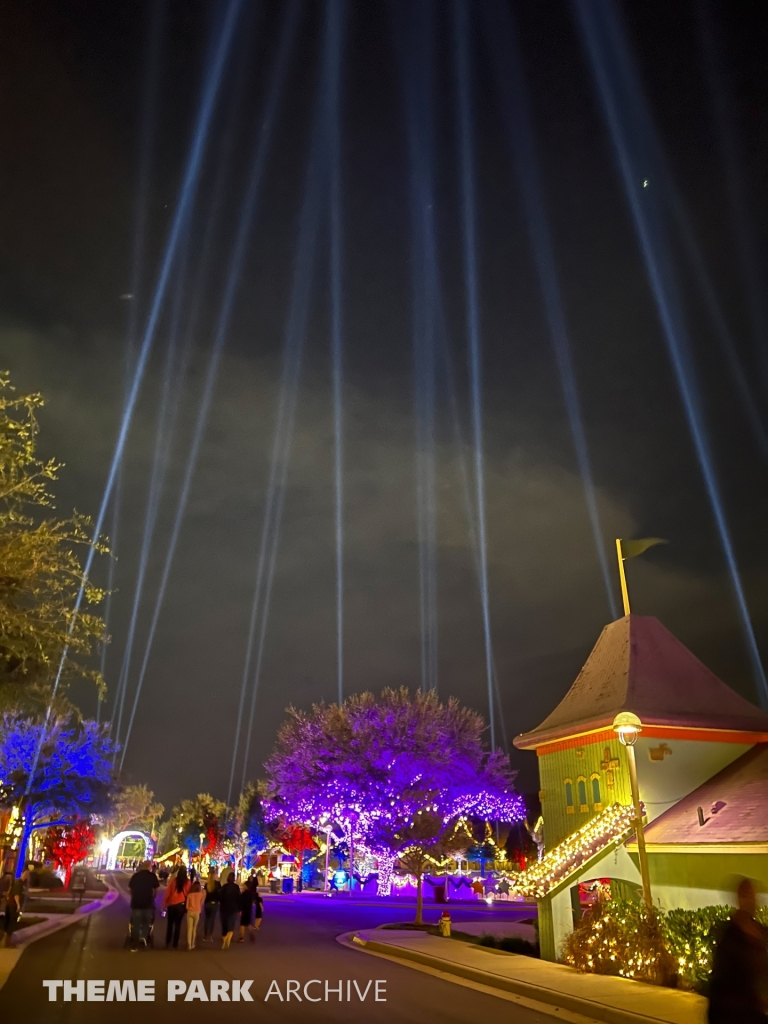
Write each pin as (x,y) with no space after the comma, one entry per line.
(621,937)
(44,878)
(691,938)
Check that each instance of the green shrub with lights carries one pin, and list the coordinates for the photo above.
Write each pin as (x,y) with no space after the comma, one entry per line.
(622,937)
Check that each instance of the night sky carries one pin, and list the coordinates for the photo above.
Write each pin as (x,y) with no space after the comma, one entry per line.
(87,113)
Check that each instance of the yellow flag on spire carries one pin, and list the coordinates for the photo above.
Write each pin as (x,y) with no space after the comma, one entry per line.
(631,549)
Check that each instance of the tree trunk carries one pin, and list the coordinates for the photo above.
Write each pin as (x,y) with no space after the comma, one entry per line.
(386,867)
(21,852)
(419,898)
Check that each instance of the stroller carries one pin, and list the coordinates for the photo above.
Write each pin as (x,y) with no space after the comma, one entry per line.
(129,942)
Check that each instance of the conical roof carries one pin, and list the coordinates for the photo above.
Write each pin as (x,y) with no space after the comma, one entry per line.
(637,665)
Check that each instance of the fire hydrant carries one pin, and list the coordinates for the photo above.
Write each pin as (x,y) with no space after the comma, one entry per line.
(444,925)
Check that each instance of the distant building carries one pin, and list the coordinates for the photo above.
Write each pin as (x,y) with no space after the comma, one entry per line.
(702,771)
(10,834)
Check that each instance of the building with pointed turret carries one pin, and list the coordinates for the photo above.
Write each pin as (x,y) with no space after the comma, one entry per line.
(702,766)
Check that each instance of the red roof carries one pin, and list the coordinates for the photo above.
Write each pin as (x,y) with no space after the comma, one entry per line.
(637,665)
(734,804)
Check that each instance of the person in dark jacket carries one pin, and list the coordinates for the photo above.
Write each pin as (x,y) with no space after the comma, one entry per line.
(143,886)
(211,905)
(246,911)
(258,903)
(738,985)
(229,906)
(14,903)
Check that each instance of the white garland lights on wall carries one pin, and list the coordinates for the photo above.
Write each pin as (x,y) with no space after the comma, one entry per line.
(608,827)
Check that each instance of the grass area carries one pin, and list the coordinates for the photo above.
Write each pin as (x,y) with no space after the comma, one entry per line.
(508,944)
(410,926)
(48,906)
(95,884)
(27,922)
(63,895)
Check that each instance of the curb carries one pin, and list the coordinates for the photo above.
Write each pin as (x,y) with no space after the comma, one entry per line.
(544,997)
(55,922)
(9,956)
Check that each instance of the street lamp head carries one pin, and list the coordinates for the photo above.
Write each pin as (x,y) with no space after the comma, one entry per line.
(628,727)
(245,835)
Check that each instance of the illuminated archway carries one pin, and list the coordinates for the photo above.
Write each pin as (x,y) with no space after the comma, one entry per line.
(117,842)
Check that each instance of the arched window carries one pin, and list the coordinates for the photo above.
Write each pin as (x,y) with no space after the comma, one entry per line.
(597,800)
(568,796)
(581,789)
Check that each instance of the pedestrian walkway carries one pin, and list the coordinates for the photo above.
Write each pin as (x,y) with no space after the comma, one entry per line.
(46,925)
(613,1000)
(8,958)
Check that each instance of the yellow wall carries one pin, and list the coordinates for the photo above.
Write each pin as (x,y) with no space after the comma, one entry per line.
(684,766)
(579,762)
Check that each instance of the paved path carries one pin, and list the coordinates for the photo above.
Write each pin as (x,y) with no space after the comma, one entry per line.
(297,942)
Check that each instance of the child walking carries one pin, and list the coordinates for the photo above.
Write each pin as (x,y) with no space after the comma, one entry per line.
(195,898)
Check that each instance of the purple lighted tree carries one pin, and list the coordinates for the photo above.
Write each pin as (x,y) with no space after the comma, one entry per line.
(397,773)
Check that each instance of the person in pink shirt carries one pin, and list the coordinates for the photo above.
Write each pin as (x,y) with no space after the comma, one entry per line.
(175,905)
(195,898)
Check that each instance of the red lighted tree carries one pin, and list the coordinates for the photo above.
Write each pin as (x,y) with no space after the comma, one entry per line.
(68,845)
(298,840)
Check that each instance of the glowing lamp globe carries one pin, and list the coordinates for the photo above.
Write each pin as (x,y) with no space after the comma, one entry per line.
(628,727)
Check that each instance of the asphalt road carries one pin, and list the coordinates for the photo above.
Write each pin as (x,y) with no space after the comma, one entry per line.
(296,943)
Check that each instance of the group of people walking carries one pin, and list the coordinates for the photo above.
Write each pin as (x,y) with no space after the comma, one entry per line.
(13,895)
(186,896)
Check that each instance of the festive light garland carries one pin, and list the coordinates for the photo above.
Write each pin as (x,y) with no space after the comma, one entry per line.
(401,881)
(608,827)
(440,863)
(361,817)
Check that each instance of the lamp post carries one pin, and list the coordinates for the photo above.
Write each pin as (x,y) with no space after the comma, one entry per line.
(327,883)
(105,844)
(244,837)
(628,727)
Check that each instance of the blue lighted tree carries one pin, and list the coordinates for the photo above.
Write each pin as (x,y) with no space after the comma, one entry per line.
(203,815)
(250,818)
(55,774)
